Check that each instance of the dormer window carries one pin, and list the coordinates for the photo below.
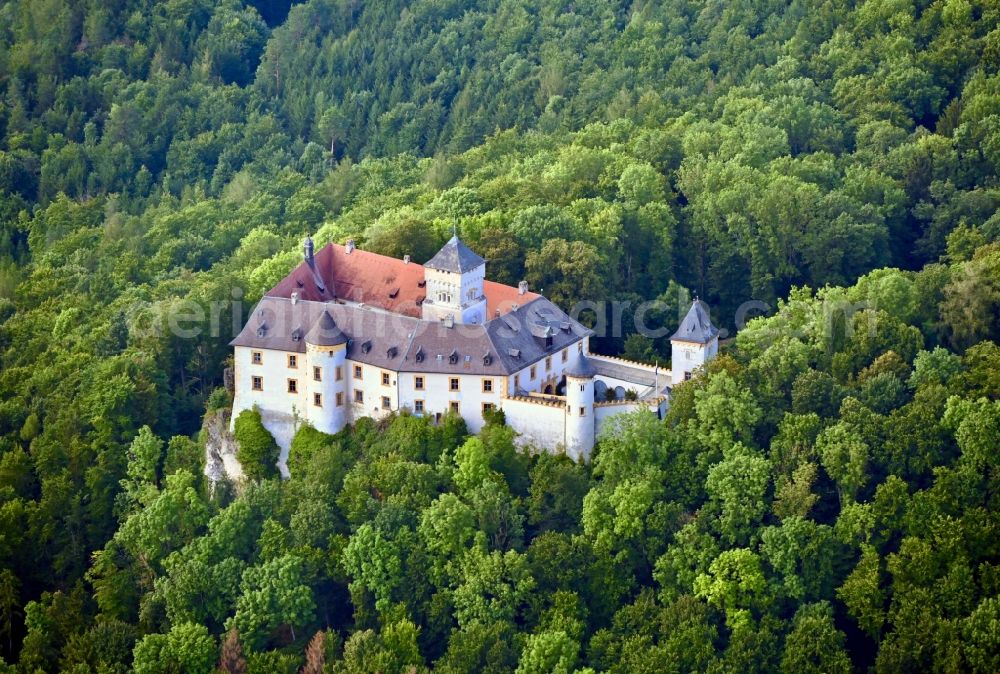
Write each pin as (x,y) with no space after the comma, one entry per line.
(393,292)
(419,355)
(391,352)
(487,359)
(514,353)
(366,346)
(262,330)
(297,334)
(453,357)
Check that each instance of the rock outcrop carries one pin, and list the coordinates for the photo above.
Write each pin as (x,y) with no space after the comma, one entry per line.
(220,449)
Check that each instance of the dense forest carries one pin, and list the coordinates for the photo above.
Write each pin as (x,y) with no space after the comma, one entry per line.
(823,498)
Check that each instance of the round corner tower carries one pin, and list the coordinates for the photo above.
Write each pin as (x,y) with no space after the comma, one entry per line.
(326,354)
(580,421)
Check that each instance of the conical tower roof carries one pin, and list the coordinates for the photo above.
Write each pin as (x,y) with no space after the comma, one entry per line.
(325,332)
(581,369)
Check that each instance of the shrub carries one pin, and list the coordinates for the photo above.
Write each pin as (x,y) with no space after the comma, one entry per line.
(258,452)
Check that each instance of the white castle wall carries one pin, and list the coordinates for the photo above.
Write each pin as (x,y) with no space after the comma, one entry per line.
(275,372)
(538,422)
(605,412)
(283,427)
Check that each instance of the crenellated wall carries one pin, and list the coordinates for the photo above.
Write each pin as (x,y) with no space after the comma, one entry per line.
(539,421)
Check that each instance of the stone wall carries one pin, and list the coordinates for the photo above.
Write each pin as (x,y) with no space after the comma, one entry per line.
(539,422)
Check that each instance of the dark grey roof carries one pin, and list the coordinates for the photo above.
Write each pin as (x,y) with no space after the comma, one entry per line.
(402,343)
(697,325)
(455,256)
(582,368)
(325,332)
(531,332)
(624,372)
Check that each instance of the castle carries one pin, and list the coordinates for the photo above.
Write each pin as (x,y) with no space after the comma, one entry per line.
(350,333)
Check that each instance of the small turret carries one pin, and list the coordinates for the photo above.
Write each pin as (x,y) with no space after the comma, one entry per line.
(326,354)
(695,343)
(580,423)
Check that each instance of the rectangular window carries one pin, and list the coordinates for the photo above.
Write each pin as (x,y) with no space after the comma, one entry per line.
(340,399)
(487,408)
(565,354)
(579,347)
(454,406)
(531,372)
(687,376)
(583,387)
(385,402)
(357,372)
(418,383)
(359,396)
(293,361)
(583,412)
(418,406)
(338,374)
(318,399)
(258,383)
(487,385)
(317,373)
(385,379)
(517,381)
(293,386)
(256,357)
(548,363)
(453,384)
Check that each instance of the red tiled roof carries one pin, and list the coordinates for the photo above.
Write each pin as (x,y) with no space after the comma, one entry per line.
(377,280)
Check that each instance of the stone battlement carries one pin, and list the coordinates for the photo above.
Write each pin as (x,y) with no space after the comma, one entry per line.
(624,361)
(535,400)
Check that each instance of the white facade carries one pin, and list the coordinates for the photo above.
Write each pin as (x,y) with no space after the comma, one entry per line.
(324,388)
(687,357)
(456,295)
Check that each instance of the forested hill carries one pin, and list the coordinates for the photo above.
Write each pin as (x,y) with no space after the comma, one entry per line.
(167,158)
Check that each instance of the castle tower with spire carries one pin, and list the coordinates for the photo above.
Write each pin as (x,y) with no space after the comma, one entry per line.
(695,343)
(455,277)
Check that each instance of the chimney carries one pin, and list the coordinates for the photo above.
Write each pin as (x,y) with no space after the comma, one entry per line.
(350,246)
(449,321)
(406,259)
(295,297)
(522,287)
(307,250)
